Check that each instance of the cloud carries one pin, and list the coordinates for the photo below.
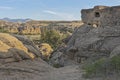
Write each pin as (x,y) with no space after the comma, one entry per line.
(5,8)
(50,12)
(64,16)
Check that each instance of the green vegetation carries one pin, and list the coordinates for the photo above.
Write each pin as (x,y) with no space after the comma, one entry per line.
(33,37)
(52,37)
(103,67)
(3,30)
(92,69)
(115,61)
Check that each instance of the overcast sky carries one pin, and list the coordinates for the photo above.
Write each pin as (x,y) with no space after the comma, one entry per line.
(49,9)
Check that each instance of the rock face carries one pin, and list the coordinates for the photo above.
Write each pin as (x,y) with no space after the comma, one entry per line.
(89,43)
(94,43)
(101,16)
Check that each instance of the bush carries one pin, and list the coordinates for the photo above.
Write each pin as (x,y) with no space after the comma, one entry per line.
(103,67)
(115,62)
(93,69)
(3,30)
(52,37)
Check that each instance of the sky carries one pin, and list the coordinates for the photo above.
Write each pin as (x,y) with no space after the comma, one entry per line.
(49,9)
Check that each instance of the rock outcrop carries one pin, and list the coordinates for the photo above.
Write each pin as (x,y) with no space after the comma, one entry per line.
(101,16)
(32,48)
(89,43)
(12,49)
(16,62)
(20,59)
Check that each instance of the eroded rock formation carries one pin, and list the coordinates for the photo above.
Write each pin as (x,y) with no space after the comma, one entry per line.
(89,43)
(35,27)
(101,16)
(13,49)
(20,60)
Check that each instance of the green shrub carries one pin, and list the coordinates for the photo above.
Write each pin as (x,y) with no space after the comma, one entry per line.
(3,30)
(103,66)
(52,37)
(115,62)
(92,69)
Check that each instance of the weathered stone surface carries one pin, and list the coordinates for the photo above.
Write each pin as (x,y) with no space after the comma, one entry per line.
(102,16)
(57,58)
(89,43)
(16,63)
(12,49)
(115,52)
(29,45)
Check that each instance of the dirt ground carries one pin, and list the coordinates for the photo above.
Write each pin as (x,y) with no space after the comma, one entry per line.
(39,70)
